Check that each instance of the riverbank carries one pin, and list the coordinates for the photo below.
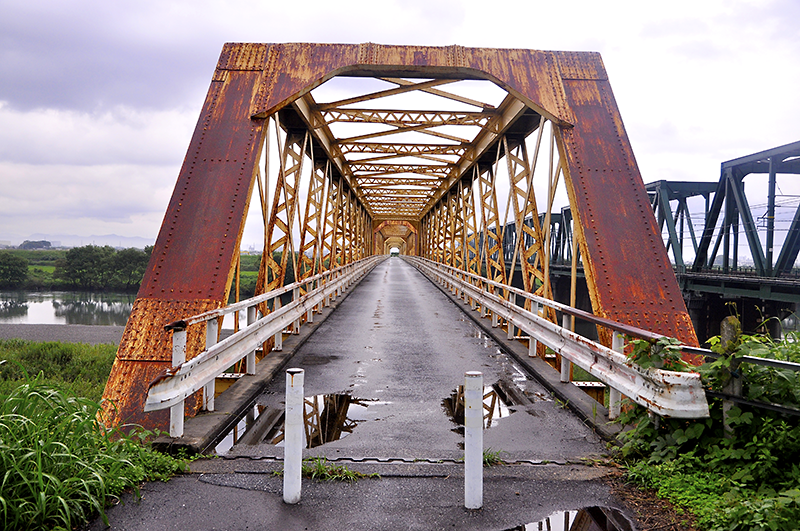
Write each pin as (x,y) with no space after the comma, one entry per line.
(90,334)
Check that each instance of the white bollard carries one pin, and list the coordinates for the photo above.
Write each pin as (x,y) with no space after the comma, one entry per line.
(293,436)
(473,440)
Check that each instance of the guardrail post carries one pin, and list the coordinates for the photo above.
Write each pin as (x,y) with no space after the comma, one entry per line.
(250,364)
(293,436)
(566,365)
(310,312)
(533,345)
(279,334)
(209,389)
(614,396)
(296,324)
(178,357)
(730,332)
(512,298)
(473,440)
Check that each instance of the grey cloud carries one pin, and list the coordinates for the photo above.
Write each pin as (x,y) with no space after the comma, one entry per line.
(86,61)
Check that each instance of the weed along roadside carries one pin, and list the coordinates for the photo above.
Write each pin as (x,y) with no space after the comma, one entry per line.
(59,468)
(740,468)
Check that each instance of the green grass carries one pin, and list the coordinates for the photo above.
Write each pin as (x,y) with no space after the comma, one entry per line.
(44,268)
(80,369)
(492,457)
(58,466)
(747,479)
(321,469)
(40,257)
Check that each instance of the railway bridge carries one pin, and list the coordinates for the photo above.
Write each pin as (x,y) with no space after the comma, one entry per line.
(340,153)
(729,246)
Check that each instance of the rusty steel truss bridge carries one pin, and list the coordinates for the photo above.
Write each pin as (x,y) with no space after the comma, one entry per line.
(344,151)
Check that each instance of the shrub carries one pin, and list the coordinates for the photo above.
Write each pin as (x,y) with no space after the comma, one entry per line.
(748,480)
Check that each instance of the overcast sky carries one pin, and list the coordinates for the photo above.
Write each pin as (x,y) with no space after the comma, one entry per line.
(98,99)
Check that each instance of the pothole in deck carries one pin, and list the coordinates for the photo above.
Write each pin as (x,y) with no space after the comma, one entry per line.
(593,518)
(327,418)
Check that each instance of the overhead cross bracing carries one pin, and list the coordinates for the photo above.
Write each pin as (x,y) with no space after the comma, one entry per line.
(409,155)
(411,151)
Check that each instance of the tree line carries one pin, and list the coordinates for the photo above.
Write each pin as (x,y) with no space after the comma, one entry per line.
(91,267)
(101,268)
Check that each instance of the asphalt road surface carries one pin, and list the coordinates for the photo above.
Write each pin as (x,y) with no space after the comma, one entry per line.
(401,348)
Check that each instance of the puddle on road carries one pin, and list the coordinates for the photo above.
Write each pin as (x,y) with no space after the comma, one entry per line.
(327,418)
(233,436)
(495,406)
(591,518)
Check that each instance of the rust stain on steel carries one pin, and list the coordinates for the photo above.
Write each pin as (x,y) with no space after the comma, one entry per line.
(193,258)
(202,227)
(144,352)
(629,275)
(293,69)
(192,261)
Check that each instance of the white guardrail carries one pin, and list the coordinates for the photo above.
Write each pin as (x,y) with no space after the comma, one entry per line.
(666,393)
(173,386)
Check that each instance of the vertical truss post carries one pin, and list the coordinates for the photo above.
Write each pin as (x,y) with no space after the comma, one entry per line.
(471,251)
(771,214)
(529,239)
(340,233)
(280,237)
(313,224)
(491,229)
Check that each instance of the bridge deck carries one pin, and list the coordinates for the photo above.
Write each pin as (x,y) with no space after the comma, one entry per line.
(401,345)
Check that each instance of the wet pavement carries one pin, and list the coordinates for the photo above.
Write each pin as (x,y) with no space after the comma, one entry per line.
(382,377)
(402,348)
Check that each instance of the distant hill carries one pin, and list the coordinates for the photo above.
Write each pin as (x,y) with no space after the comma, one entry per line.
(72,240)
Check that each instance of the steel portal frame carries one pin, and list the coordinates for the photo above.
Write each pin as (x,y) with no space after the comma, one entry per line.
(330,191)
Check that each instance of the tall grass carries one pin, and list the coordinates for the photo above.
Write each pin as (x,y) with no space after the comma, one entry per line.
(78,368)
(59,466)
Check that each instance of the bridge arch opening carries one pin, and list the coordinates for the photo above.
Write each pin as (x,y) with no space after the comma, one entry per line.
(507,164)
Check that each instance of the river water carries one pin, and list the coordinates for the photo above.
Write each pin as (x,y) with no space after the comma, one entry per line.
(65,307)
(74,307)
